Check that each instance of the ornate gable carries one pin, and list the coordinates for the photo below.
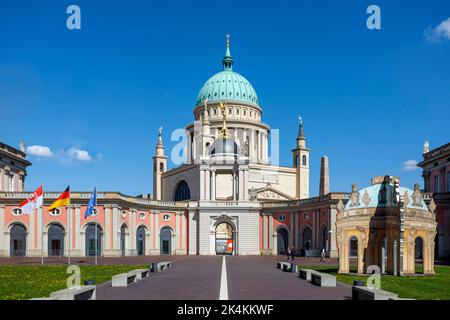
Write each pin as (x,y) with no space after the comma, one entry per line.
(268,194)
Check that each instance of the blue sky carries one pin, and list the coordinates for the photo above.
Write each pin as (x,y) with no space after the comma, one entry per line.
(96,96)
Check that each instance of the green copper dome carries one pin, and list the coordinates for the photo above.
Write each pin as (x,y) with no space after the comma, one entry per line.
(228,85)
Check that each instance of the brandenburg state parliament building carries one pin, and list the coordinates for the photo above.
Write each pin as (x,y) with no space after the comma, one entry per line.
(227,198)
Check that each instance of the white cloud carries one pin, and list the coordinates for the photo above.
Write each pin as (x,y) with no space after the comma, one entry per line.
(40,151)
(75,156)
(79,155)
(438,34)
(410,165)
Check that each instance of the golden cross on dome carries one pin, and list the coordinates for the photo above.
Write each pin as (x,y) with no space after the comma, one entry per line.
(224,130)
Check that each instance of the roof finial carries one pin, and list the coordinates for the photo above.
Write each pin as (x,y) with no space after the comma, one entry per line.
(300,137)
(227,60)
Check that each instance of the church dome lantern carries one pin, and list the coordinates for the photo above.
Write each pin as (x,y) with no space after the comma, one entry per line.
(228,85)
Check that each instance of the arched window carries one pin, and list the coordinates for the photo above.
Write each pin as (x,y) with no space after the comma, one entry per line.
(303,160)
(182,192)
(296,161)
(161,167)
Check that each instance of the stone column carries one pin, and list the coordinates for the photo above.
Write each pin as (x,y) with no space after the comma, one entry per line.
(189,147)
(234,185)
(272,235)
(251,147)
(213,185)
(202,184)
(208,184)
(78,249)
(240,185)
(265,233)
(291,228)
(296,226)
(245,194)
(184,230)
(332,234)
(107,231)
(115,239)
(157,242)
(344,256)
(177,232)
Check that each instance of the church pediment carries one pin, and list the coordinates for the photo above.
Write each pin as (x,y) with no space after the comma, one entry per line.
(268,193)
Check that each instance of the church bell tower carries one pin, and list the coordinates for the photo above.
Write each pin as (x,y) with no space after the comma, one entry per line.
(159,167)
(300,157)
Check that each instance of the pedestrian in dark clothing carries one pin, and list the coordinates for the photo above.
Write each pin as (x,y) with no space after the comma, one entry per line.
(292,253)
(288,253)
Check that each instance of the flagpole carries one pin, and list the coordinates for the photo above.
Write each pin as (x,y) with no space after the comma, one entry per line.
(69,224)
(96,226)
(42,226)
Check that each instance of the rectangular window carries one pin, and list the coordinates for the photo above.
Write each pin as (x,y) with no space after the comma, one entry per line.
(436,184)
(448,181)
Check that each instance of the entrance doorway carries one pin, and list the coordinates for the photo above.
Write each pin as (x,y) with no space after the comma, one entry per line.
(282,241)
(224,239)
(18,242)
(140,241)
(93,240)
(166,241)
(418,255)
(55,241)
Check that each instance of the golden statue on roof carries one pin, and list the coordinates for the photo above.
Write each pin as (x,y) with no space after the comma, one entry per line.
(224,131)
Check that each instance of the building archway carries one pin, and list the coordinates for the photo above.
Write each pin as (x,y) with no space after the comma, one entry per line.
(166,241)
(93,240)
(140,240)
(418,255)
(306,241)
(224,239)
(282,241)
(324,238)
(182,191)
(55,240)
(353,251)
(18,240)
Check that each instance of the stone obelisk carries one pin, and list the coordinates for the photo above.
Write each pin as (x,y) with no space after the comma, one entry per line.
(324,187)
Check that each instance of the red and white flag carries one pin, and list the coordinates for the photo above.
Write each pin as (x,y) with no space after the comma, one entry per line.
(35,200)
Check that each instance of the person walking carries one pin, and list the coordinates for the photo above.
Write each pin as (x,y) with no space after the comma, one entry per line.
(288,253)
(322,255)
(292,253)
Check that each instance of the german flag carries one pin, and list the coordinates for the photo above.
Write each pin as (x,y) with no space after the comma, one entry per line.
(62,201)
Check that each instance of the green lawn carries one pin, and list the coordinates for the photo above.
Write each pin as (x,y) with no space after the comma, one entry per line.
(26,282)
(415,287)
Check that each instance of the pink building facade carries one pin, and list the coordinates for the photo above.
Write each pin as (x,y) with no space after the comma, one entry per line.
(436,175)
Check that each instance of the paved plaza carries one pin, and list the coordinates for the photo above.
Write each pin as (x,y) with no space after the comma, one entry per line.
(205,278)
(201,278)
